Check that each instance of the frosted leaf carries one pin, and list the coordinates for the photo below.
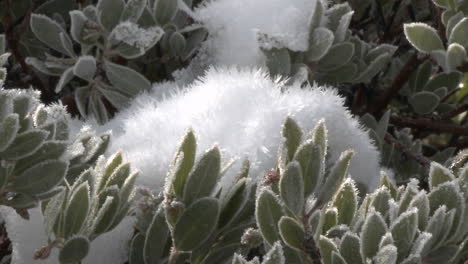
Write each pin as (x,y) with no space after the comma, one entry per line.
(133,35)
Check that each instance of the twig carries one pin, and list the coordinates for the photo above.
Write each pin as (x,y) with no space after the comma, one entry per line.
(423,161)
(428,124)
(397,84)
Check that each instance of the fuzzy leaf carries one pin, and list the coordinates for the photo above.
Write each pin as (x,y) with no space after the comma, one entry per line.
(204,176)
(78,22)
(403,231)
(186,153)
(85,68)
(126,80)
(338,55)
(386,255)
(156,237)
(268,213)
(8,131)
(292,135)
(48,31)
(196,224)
(326,247)
(421,202)
(424,102)
(133,10)
(109,12)
(438,174)
(275,255)
(136,250)
(65,78)
(373,229)
(292,187)
(336,177)
(24,144)
(456,55)
(319,44)
(459,33)
(291,232)
(311,160)
(77,210)
(350,248)
(278,61)
(40,178)
(423,37)
(346,202)
(165,11)
(74,250)
(342,29)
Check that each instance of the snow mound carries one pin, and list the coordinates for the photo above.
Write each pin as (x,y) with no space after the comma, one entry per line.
(242,111)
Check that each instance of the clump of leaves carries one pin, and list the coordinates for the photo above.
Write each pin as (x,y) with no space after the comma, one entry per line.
(102,38)
(93,204)
(195,221)
(334,55)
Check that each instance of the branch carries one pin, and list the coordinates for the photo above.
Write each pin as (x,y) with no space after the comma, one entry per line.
(400,80)
(423,161)
(428,124)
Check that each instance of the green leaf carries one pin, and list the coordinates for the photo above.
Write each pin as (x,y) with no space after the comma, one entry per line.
(25,144)
(50,150)
(109,12)
(292,135)
(346,202)
(373,68)
(133,10)
(165,11)
(337,258)
(136,250)
(126,80)
(452,22)
(268,212)
(65,78)
(204,176)
(120,174)
(292,187)
(438,174)
(85,68)
(40,178)
(342,28)
(456,55)
(233,202)
(424,102)
(48,31)
(380,200)
(338,55)
(386,255)
(186,153)
(316,18)
(311,159)
(460,33)
(8,130)
(319,44)
(373,229)
(52,211)
(423,37)
(449,80)
(403,231)
(291,232)
(335,178)
(177,43)
(77,210)
(74,250)
(421,202)
(350,248)
(78,22)
(275,255)
(156,238)
(326,246)
(196,224)
(112,164)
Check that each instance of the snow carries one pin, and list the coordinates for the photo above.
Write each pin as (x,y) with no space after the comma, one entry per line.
(233,27)
(28,236)
(241,110)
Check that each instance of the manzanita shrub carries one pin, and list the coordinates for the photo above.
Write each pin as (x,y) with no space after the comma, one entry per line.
(306,210)
(99,45)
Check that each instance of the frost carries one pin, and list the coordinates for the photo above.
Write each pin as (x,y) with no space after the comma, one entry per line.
(131,34)
(234,24)
(28,236)
(242,111)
